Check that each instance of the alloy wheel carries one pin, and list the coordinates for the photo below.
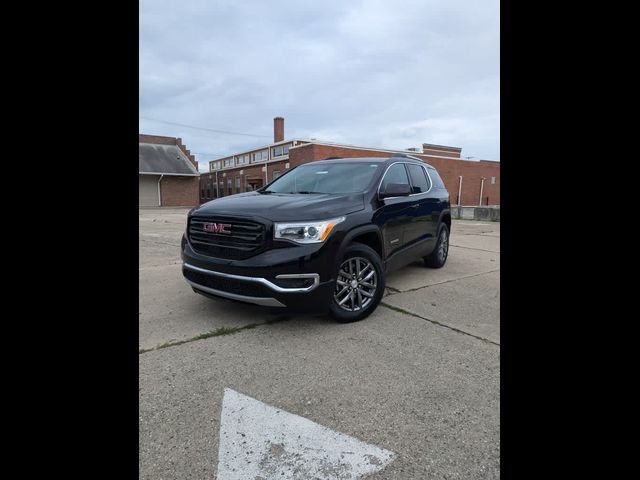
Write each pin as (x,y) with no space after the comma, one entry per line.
(443,247)
(356,284)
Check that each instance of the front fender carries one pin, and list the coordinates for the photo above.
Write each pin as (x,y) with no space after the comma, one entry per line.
(357,231)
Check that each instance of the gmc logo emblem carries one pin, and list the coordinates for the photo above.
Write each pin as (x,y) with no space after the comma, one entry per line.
(217,228)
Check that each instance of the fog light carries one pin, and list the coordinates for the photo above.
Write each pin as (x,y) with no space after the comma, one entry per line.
(293,282)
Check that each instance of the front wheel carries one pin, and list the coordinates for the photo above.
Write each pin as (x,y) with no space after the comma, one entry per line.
(438,257)
(359,284)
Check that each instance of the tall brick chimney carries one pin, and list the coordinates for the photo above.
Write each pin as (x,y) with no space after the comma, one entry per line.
(278,129)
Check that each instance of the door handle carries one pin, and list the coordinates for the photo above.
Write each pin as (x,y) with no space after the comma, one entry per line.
(415,205)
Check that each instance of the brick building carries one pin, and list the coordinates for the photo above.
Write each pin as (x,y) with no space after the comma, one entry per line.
(469,182)
(167,173)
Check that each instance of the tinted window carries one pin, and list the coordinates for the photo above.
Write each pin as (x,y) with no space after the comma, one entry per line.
(395,174)
(419,181)
(437,181)
(326,178)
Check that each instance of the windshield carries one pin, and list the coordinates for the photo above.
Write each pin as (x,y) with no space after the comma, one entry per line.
(326,178)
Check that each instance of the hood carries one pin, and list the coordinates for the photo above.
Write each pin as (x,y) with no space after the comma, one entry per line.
(281,207)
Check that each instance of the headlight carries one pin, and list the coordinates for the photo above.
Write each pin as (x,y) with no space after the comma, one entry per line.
(306,232)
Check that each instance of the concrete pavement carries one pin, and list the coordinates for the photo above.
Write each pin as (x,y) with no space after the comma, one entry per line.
(419,377)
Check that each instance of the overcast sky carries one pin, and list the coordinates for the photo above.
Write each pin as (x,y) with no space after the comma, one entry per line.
(390,74)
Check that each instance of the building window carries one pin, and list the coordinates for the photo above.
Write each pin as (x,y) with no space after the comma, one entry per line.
(493,180)
(242,159)
(229,187)
(221,188)
(260,156)
(227,162)
(280,150)
(276,174)
(237,184)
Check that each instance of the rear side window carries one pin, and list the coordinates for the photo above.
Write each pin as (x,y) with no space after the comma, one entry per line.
(395,174)
(419,181)
(437,181)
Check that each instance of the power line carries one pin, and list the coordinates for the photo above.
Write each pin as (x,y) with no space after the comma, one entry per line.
(205,129)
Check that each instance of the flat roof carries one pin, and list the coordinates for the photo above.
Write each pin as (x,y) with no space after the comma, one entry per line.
(257,149)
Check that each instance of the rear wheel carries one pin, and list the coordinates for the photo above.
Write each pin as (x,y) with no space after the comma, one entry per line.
(359,284)
(438,257)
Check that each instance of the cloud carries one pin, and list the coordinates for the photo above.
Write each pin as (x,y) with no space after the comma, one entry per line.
(370,72)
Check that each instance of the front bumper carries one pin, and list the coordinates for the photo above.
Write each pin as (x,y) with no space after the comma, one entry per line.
(298,277)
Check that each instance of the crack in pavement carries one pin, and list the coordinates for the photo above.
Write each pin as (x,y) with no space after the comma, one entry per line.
(160,243)
(435,322)
(179,262)
(395,291)
(218,332)
(471,248)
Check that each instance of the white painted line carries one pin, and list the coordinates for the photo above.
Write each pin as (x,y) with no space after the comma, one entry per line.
(258,441)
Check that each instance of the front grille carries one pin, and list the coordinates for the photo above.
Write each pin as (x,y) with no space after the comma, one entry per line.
(247,238)
(230,285)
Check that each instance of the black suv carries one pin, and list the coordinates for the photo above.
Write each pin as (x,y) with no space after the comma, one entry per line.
(321,236)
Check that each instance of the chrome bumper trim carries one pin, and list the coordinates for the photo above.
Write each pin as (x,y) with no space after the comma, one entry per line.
(264,281)
(265,301)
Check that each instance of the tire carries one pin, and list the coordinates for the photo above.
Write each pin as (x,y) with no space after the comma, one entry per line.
(438,257)
(354,308)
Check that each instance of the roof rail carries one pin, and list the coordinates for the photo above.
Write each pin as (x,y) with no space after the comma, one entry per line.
(332,158)
(406,155)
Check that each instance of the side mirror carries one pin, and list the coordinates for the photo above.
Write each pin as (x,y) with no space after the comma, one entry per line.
(395,190)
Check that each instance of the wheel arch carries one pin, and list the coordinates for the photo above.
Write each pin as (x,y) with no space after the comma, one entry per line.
(445,217)
(368,235)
